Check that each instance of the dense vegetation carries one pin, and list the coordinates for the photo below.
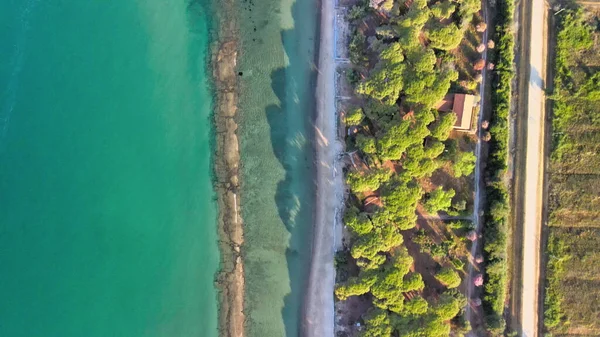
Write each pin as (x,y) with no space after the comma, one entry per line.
(573,250)
(401,69)
(495,226)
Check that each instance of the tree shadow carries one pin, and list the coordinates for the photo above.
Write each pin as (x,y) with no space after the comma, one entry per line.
(291,134)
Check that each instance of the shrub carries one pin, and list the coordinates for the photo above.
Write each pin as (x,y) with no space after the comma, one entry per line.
(354,117)
(448,277)
(464,165)
(439,200)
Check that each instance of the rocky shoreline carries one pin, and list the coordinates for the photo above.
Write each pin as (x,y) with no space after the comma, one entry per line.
(227,159)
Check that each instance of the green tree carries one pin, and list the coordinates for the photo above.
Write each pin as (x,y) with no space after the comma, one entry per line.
(359,223)
(423,83)
(416,306)
(448,277)
(369,246)
(443,9)
(392,143)
(444,37)
(366,144)
(357,48)
(409,25)
(439,200)
(369,181)
(355,286)
(443,126)
(385,81)
(464,164)
(377,324)
(449,305)
(393,281)
(354,117)
(401,201)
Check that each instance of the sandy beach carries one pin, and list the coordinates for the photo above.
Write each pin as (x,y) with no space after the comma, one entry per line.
(318,318)
(227,159)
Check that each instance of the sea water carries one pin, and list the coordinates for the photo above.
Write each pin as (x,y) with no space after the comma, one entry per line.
(277,67)
(107,212)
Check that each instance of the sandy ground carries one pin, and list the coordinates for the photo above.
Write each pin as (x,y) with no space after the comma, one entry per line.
(318,316)
(534,172)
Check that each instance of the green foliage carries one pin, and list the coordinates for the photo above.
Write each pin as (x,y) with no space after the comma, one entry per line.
(386,32)
(416,306)
(369,181)
(359,223)
(420,161)
(392,143)
(385,81)
(407,68)
(357,48)
(354,117)
(444,37)
(393,281)
(387,5)
(572,250)
(574,37)
(354,287)
(400,202)
(377,324)
(368,246)
(464,165)
(443,9)
(467,8)
(591,89)
(366,144)
(449,305)
(409,25)
(441,128)
(439,200)
(357,12)
(423,83)
(557,257)
(448,277)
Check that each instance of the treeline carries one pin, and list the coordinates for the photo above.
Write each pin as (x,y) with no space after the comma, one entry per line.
(400,72)
(496,212)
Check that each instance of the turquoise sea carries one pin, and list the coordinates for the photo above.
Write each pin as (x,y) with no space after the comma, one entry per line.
(107,213)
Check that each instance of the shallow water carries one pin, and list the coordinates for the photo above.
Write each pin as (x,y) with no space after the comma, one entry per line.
(276,110)
(107,213)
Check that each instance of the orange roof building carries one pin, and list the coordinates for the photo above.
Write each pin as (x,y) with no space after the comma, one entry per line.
(462,105)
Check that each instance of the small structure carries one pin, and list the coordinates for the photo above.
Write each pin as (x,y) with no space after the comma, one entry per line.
(462,105)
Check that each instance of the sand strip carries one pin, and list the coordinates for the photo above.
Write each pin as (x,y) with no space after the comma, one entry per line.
(318,316)
(227,158)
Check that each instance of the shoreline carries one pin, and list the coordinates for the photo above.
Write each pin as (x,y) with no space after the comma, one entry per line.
(230,280)
(318,312)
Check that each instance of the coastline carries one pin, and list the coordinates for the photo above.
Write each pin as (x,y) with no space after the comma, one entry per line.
(318,315)
(230,280)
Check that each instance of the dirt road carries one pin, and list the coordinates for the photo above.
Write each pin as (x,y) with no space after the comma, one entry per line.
(318,317)
(534,163)
(475,249)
